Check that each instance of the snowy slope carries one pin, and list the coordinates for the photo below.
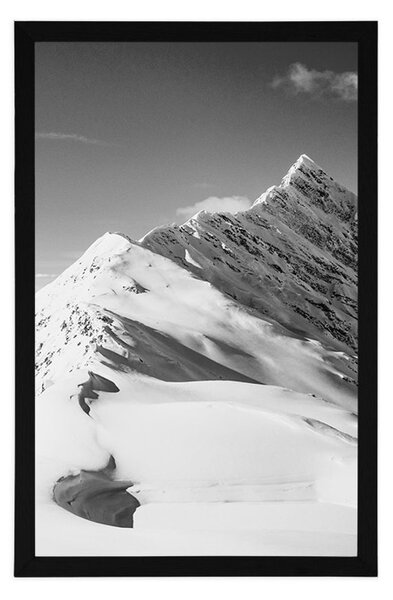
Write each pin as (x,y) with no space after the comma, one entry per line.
(201,443)
(139,311)
(176,435)
(232,340)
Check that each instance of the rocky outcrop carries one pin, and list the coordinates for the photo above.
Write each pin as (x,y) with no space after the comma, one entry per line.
(95,496)
(88,389)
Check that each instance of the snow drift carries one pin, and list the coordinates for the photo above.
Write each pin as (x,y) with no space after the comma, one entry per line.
(230,343)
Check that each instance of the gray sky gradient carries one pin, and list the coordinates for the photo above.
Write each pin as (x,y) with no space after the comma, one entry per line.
(129,134)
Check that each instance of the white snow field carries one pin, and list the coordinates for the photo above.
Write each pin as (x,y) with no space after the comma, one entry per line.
(260,466)
(236,424)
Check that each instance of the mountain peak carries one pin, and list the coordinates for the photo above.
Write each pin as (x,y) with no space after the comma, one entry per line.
(301,168)
(197,216)
(304,159)
(109,243)
(303,163)
(120,234)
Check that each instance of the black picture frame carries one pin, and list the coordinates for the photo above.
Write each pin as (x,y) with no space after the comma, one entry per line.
(26,563)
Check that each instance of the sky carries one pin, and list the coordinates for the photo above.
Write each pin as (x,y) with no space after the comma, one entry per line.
(130,136)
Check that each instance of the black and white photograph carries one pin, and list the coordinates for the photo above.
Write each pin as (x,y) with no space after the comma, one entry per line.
(196,298)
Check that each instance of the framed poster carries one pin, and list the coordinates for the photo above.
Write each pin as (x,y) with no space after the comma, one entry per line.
(196,208)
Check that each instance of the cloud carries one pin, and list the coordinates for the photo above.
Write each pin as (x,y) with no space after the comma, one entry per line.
(318,84)
(45,275)
(230,204)
(70,137)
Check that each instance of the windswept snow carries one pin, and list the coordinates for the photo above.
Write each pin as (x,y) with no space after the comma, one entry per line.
(183,307)
(202,442)
(232,341)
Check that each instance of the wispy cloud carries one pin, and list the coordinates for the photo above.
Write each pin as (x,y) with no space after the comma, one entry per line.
(45,275)
(231,204)
(71,137)
(318,84)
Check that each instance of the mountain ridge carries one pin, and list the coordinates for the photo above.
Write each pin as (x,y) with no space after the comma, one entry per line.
(312,219)
(211,364)
(268,271)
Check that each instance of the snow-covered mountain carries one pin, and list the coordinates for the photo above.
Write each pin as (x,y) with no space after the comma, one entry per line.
(265,296)
(286,270)
(292,257)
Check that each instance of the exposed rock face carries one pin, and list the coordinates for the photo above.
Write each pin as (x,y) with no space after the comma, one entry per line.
(88,389)
(292,257)
(95,496)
